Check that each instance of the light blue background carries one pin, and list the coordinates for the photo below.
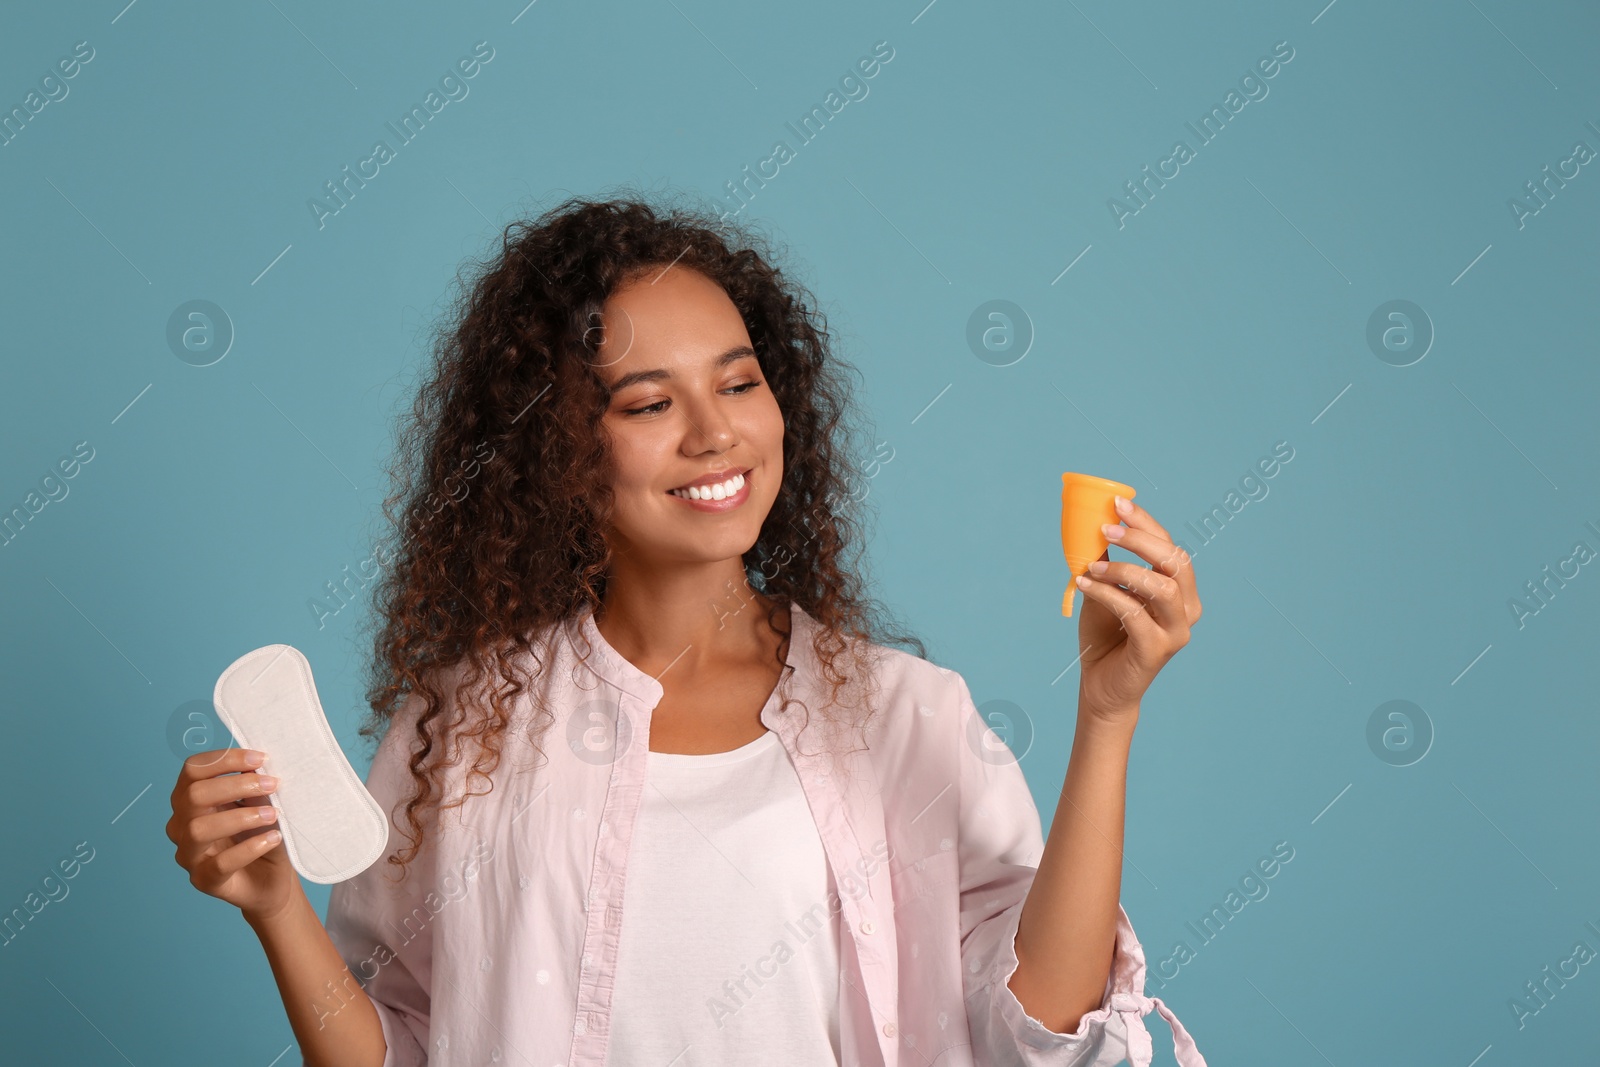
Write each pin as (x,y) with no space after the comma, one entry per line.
(1228,315)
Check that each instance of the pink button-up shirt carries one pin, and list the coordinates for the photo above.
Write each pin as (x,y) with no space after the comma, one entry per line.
(500,944)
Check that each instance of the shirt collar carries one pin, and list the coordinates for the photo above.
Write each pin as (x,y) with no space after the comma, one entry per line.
(591,647)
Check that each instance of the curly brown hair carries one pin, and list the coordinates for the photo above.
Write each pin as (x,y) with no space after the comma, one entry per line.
(510,418)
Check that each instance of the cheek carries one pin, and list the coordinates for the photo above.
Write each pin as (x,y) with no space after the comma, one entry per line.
(768,429)
(635,462)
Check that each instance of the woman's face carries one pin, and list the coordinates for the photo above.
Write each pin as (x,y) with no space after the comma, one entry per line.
(689,406)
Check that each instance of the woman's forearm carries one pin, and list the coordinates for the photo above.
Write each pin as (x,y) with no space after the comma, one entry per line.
(333,1019)
(1066,934)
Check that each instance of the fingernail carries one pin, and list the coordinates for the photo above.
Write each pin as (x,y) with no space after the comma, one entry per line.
(254,758)
(1122,505)
(268,813)
(1113,530)
(267,782)
(1084,583)
(1098,566)
(273,836)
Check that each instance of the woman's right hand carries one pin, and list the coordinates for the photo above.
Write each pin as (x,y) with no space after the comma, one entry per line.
(224,825)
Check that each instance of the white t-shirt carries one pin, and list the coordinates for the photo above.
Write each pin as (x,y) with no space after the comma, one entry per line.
(729,952)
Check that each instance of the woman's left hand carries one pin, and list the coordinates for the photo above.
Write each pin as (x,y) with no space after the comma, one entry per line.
(1134,618)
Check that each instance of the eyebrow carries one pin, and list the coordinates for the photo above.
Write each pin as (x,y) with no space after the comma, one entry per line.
(732,355)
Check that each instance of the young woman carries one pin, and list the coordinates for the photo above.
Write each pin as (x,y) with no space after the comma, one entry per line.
(667,794)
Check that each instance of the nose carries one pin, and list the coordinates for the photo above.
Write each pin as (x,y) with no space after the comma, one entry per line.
(709,429)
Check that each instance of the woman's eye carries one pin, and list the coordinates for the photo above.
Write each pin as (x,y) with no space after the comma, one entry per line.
(650,409)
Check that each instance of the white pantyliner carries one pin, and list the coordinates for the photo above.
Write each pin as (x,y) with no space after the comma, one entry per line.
(332,827)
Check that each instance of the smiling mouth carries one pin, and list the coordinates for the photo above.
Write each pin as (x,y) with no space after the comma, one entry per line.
(722,490)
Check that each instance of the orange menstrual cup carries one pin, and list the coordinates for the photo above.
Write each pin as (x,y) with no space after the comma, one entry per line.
(1086,504)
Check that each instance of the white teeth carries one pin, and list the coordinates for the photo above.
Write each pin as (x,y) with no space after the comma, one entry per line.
(720,491)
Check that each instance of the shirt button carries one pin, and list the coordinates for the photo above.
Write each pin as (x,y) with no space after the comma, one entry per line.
(888,1030)
(867,927)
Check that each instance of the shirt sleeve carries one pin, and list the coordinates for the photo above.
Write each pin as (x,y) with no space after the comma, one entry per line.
(382,926)
(1000,845)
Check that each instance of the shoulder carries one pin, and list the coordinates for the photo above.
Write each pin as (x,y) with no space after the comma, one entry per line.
(914,696)
(911,677)
(432,720)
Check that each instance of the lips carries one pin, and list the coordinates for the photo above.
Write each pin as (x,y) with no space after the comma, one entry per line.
(713,478)
(733,491)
